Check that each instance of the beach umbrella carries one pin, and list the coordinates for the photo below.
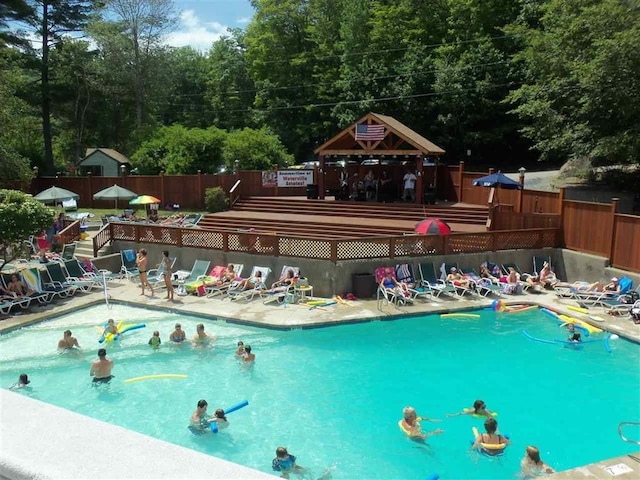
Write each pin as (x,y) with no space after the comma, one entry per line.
(497,180)
(116,192)
(432,226)
(144,200)
(55,194)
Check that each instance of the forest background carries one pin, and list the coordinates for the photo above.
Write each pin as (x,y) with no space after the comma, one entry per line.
(499,83)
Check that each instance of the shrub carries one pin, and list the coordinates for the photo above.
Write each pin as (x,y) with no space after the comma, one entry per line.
(215,200)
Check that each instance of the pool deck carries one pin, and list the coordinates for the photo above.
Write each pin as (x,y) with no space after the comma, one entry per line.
(273,315)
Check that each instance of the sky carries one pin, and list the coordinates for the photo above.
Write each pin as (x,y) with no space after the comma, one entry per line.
(202,22)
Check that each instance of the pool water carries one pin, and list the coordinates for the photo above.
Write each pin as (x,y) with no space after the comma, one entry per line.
(334,396)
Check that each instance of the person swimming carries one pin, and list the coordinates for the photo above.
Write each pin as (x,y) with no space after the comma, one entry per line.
(178,335)
(23,381)
(479,408)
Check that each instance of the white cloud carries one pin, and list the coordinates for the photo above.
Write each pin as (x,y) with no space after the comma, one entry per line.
(195,33)
(243,20)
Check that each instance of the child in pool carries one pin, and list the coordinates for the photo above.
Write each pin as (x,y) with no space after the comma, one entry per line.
(532,466)
(155,340)
(479,408)
(220,419)
(574,336)
(240,349)
(285,463)
(22,382)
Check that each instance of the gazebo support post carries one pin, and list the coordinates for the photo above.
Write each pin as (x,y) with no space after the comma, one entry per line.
(320,170)
(419,184)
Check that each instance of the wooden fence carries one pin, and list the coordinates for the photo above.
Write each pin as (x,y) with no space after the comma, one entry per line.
(322,249)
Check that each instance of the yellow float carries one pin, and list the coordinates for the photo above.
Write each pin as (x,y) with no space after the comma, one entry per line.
(152,377)
(489,448)
(588,327)
(578,309)
(467,315)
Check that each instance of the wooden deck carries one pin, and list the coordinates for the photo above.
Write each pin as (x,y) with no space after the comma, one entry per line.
(328,219)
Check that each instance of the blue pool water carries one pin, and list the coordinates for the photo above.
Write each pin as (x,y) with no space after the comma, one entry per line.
(333,396)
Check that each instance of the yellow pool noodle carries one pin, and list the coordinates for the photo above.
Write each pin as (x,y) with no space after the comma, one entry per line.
(151,377)
(468,315)
(578,309)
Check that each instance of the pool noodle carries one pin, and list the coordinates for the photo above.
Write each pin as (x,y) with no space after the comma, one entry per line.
(521,309)
(150,377)
(607,347)
(467,315)
(232,408)
(578,309)
(433,476)
(563,342)
(133,327)
(551,313)
(526,334)
(103,337)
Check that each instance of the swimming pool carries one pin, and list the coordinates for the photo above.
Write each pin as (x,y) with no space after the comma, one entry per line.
(333,396)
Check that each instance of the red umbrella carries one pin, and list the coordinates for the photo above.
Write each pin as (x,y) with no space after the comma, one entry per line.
(432,226)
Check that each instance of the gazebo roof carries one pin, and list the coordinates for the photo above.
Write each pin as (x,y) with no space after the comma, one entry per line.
(398,140)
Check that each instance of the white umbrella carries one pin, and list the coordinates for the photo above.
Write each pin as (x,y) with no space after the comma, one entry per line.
(116,193)
(55,194)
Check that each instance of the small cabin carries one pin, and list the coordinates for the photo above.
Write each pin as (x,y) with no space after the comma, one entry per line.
(103,162)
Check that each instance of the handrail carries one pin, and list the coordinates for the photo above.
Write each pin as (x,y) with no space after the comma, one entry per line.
(233,189)
(104,236)
(625,439)
(70,233)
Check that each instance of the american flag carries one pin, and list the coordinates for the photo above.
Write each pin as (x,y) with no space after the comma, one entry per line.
(369,132)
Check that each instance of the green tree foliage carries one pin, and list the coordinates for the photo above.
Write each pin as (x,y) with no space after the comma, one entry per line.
(20,216)
(230,89)
(54,18)
(582,94)
(250,149)
(13,11)
(16,171)
(181,150)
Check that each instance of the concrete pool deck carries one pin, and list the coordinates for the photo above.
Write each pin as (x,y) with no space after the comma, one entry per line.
(272,315)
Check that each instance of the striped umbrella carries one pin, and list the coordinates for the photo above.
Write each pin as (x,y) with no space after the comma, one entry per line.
(144,200)
(432,226)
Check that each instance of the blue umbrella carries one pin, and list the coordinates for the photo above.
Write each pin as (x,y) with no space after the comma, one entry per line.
(497,180)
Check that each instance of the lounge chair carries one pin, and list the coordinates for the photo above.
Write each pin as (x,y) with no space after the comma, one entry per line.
(397,294)
(90,269)
(430,281)
(506,266)
(155,276)
(236,292)
(58,278)
(45,292)
(74,273)
(404,274)
(605,299)
(484,286)
(215,286)
(198,271)
(460,289)
(68,251)
(538,263)
(11,299)
(129,268)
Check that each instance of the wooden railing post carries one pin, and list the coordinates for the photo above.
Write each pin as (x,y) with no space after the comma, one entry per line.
(321,173)
(612,228)
(200,193)
(334,251)
(89,179)
(392,247)
(162,197)
(460,177)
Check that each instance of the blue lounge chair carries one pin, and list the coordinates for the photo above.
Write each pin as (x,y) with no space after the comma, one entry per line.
(430,281)
(129,267)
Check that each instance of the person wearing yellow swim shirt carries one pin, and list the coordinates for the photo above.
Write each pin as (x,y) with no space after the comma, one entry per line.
(410,424)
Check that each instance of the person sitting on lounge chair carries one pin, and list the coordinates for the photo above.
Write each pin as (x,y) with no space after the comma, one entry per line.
(286,280)
(251,282)
(486,274)
(456,278)
(389,282)
(511,283)
(532,280)
(612,287)
(547,276)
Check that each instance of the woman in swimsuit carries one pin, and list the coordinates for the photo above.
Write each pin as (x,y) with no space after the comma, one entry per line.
(141,261)
(178,335)
(532,466)
(490,438)
(479,408)
(166,261)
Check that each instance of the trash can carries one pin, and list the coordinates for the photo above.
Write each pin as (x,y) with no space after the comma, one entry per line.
(312,191)
(364,285)
(429,196)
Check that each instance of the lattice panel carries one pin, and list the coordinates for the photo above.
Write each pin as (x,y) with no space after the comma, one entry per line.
(241,242)
(201,239)
(162,235)
(299,247)
(122,231)
(418,246)
(469,243)
(353,249)
(519,240)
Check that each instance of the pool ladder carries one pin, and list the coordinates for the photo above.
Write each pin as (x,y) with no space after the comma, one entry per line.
(621,425)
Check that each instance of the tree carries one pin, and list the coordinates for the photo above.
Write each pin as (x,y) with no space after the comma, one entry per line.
(13,11)
(55,18)
(144,23)
(250,149)
(581,97)
(180,150)
(15,168)
(20,216)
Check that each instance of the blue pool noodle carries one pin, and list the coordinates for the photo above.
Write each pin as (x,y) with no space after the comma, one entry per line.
(133,327)
(433,476)
(232,408)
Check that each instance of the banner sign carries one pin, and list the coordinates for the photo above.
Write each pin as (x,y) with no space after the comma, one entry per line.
(295,178)
(269,179)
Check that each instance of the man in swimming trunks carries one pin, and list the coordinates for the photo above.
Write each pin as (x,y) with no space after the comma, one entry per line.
(201,337)
(68,341)
(178,335)
(200,420)
(101,369)
(248,357)
(410,424)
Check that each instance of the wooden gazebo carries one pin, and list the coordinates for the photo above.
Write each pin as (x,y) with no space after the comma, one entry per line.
(376,135)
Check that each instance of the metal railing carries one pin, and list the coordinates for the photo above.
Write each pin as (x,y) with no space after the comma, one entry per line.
(621,425)
(232,200)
